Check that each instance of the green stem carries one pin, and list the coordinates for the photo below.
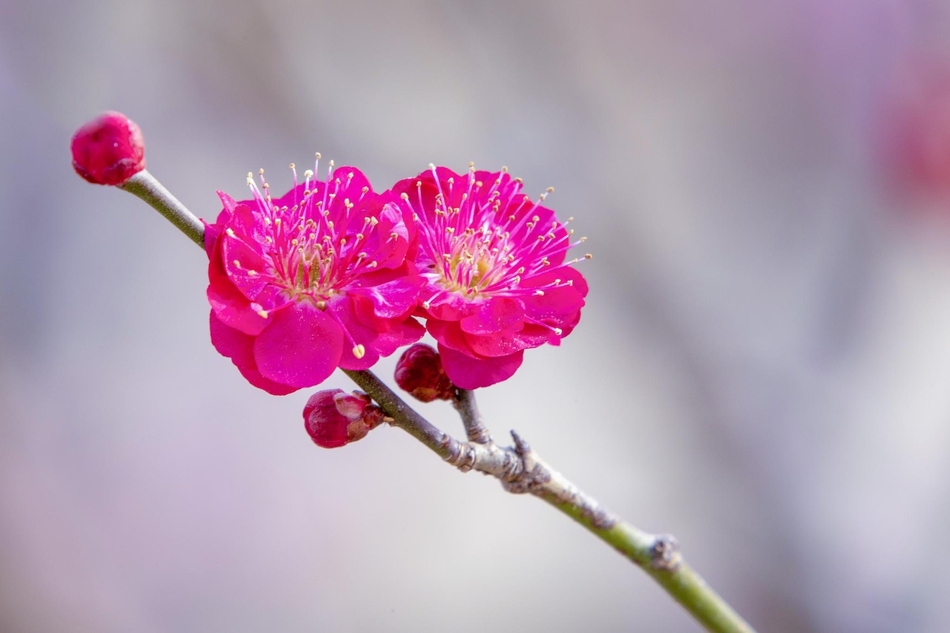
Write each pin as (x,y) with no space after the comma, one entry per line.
(145,186)
(658,555)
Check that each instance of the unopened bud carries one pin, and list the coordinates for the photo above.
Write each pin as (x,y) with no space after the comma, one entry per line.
(108,150)
(419,372)
(334,418)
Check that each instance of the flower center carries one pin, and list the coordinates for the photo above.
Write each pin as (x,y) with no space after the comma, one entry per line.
(483,240)
(322,242)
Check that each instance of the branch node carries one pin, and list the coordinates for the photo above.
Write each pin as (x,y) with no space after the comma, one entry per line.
(665,554)
(465,459)
(521,445)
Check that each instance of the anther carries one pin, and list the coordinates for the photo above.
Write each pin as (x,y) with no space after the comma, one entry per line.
(359,351)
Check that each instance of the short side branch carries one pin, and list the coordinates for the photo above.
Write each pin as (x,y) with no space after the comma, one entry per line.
(465,404)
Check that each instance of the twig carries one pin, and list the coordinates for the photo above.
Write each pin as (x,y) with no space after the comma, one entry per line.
(465,404)
(519,469)
(145,186)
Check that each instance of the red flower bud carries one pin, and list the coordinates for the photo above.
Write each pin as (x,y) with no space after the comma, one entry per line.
(108,150)
(334,418)
(419,371)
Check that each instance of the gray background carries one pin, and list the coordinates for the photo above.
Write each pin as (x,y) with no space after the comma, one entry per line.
(762,368)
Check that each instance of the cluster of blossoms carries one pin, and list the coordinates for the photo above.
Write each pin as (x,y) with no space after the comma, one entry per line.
(332,274)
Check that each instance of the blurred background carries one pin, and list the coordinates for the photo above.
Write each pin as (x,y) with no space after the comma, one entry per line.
(762,369)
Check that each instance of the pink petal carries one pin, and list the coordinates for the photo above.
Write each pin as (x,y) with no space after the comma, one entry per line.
(394,299)
(495,315)
(229,304)
(344,311)
(471,373)
(559,305)
(449,334)
(398,335)
(300,347)
(246,269)
(239,347)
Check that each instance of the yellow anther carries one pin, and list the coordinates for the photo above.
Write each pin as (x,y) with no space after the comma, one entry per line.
(359,351)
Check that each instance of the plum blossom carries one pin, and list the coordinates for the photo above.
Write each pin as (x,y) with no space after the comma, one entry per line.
(496,279)
(311,281)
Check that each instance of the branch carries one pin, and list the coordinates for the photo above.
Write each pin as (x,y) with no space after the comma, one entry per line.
(464,403)
(145,186)
(519,469)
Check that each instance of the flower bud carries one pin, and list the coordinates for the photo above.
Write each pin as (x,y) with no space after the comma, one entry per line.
(334,418)
(108,150)
(419,371)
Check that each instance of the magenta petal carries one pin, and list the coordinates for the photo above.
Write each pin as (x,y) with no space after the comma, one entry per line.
(471,373)
(394,299)
(448,334)
(558,305)
(211,237)
(400,334)
(301,346)
(229,205)
(360,334)
(495,315)
(239,347)
(246,268)
(494,345)
(234,309)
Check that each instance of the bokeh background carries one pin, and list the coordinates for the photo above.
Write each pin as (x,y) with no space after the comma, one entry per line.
(762,369)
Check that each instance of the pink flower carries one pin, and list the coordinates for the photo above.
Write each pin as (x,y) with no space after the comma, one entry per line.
(312,281)
(108,150)
(496,279)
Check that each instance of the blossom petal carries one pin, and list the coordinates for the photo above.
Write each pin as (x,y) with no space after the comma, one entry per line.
(239,347)
(228,302)
(497,314)
(300,347)
(467,372)
(359,334)
(394,299)
(399,335)
(559,305)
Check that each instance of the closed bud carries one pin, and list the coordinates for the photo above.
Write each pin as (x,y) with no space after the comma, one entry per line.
(108,150)
(419,372)
(334,418)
